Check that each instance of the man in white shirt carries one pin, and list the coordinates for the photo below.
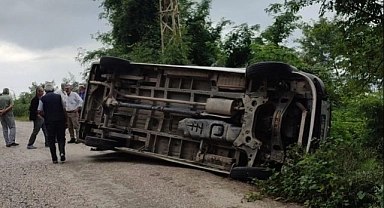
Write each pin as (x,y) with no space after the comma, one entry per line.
(62,92)
(73,106)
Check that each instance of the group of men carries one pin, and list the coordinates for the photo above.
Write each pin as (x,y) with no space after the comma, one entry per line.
(52,112)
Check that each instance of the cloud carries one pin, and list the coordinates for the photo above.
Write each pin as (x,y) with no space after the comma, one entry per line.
(10,52)
(48,24)
(39,40)
(23,68)
(242,11)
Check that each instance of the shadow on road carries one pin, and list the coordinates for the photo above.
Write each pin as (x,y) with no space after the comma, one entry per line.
(125,157)
(129,158)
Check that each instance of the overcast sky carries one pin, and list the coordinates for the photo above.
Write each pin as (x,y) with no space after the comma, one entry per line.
(39,38)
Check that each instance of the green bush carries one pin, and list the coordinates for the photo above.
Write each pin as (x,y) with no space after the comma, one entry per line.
(21,109)
(371,107)
(21,104)
(340,174)
(22,118)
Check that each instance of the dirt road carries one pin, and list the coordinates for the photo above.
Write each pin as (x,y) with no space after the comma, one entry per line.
(28,178)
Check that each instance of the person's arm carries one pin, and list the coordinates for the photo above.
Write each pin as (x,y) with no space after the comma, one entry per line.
(64,111)
(10,106)
(65,115)
(79,102)
(63,106)
(7,109)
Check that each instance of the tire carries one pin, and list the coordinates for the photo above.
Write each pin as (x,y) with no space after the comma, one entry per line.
(268,69)
(110,64)
(247,173)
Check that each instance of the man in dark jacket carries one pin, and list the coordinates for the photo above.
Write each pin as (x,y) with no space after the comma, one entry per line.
(52,108)
(38,121)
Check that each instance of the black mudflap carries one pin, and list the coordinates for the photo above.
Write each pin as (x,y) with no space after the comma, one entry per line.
(100,143)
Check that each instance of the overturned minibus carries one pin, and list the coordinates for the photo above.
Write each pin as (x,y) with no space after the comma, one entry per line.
(228,120)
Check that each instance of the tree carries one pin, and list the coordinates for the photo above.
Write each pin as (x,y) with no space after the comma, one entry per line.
(320,50)
(370,109)
(135,34)
(355,11)
(360,27)
(132,21)
(272,52)
(134,26)
(203,37)
(176,52)
(237,45)
(285,23)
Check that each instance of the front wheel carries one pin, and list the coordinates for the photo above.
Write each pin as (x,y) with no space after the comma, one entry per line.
(268,69)
(110,64)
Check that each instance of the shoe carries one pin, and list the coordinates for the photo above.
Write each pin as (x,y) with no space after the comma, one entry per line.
(14,144)
(77,142)
(8,145)
(55,162)
(62,157)
(31,147)
(72,141)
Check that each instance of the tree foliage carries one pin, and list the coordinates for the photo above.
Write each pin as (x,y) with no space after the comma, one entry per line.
(285,23)
(358,25)
(237,45)
(132,22)
(203,35)
(355,11)
(272,52)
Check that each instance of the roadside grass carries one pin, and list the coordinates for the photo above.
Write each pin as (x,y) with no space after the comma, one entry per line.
(21,118)
(339,174)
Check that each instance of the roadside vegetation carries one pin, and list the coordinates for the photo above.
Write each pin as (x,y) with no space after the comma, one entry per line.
(347,169)
(344,48)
